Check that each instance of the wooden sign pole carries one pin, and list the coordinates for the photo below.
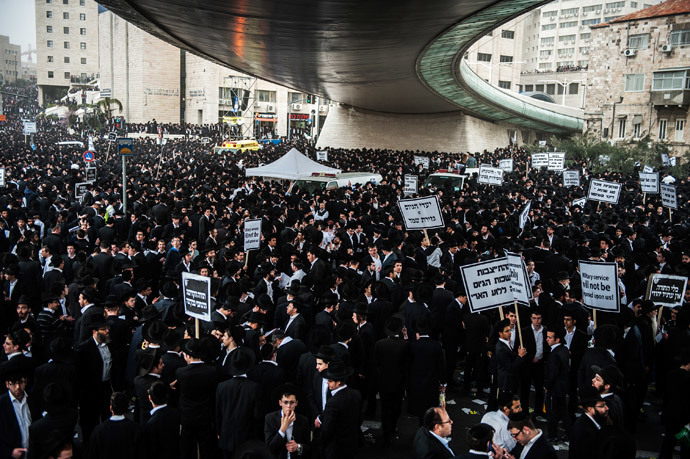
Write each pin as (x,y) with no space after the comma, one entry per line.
(518,323)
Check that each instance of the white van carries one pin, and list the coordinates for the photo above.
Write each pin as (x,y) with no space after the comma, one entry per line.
(321,181)
(449,181)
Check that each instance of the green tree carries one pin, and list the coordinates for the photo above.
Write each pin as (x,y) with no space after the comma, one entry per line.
(106,106)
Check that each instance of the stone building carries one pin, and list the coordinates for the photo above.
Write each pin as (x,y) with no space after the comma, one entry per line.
(10,61)
(639,76)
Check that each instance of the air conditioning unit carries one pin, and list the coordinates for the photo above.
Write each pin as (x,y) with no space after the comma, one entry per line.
(257,104)
(270,108)
(322,108)
(297,106)
(552,18)
(606,11)
(222,101)
(629,52)
(584,13)
(666,48)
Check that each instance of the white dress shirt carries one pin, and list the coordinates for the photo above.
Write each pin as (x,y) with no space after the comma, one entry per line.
(21,411)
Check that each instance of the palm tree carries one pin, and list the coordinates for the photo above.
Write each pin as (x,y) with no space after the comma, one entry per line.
(106,106)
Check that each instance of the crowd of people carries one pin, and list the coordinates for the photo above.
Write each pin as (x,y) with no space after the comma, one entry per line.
(342,315)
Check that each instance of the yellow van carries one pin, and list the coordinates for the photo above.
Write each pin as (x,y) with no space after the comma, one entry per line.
(237,146)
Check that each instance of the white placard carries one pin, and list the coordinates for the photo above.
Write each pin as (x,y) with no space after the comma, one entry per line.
(322,155)
(411,184)
(92,147)
(91,174)
(421,213)
(647,169)
(524,215)
(3,177)
(29,127)
(600,285)
(506,164)
(488,284)
(423,160)
(649,182)
(252,234)
(603,191)
(490,175)
(540,160)
(669,198)
(604,159)
(580,202)
(196,293)
(542,143)
(556,161)
(520,285)
(664,160)
(673,161)
(571,178)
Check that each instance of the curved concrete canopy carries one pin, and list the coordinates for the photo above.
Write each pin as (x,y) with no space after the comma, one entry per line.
(366,54)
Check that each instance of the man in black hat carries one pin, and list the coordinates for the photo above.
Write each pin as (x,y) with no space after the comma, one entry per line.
(238,407)
(232,339)
(607,380)
(252,329)
(287,432)
(95,364)
(268,375)
(151,366)
(196,385)
(296,327)
(392,357)
(162,430)
(341,418)
(288,352)
(89,312)
(586,430)
(51,323)
(325,316)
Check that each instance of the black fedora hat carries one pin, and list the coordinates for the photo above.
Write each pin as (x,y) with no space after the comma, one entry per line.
(154,331)
(96,322)
(589,396)
(326,353)
(394,326)
(257,317)
(169,289)
(336,371)
(48,297)
(111,300)
(361,308)
(241,360)
(90,294)
(149,313)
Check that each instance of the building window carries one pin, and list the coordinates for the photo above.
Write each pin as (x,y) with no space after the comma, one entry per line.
(544,66)
(570,11)
(529,87)
(66,75)
(266,96)
(680,37)
(65,2)
(564,38)
(507,34)
(640,41)
(65,30)
(82,45)
(49,43)
(49,29)
(548,26)
(82,16)
(662,129)
(621,128)
(547,41)
(615,5)
(49,1)
(565,25)
(49,14)
(591,22)
(585,36)
(66,59)
(583,64)
(50,58)
(66,44)
(82,31)
(591,8)
(504,84)
(82,2)
(610,18)
(560,89)
(584,50)
(539,88)
(65,15)
(573,88)
(551,89)
(545,53)
(670,80)
(506,58)
(549,14)
(483,57)
(634,82)
(680,127)
(637,130)
(565,52)
(83,60)
(50,74)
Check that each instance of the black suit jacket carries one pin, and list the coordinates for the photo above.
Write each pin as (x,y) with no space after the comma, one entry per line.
(583,439)
(197,387)
(288,356)
(276,442)
(90,372)
(297,329)
(10,435)
(62,421)
(237,412)
(268,376)
(426,446)
(340,425)
(392,357)
(507,366)
(427,372)
(115,440)
(556,373)
(541,449)
(162,434)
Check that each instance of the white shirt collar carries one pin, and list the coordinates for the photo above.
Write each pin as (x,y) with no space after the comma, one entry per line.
(160,407)
(333,392)
(117,417)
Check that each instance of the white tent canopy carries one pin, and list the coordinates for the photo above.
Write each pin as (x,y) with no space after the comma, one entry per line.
(292,166)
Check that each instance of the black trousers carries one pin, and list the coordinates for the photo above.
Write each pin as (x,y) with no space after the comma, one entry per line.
(475,370)
(556,410)
(203,436)
(391,406)
(533,375)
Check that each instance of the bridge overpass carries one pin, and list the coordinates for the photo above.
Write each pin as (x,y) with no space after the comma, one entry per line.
(395,68)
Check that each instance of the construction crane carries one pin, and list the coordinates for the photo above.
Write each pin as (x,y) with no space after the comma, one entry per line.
(29,52)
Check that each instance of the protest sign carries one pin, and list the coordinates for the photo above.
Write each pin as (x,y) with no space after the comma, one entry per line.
(580,202)
(556,161)
(646,169)
(91,174)
(3,177)
(604,159)
(664,160)
(520,285)
(421,213)
(666,290)
(669,198)
(423,160)
(603,191)
(649,182)
(411,184)
(196,293)
(540,160)
(600,285)
(322,155)
(490,175)
(524,215)
(571,178)
(488,284)
(506,164)
(252,234)
(80,190)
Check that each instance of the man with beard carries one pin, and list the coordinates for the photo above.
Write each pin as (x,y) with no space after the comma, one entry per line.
(606,380)
(586,430)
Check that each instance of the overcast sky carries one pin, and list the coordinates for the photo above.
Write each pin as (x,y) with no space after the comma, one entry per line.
(17,21)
